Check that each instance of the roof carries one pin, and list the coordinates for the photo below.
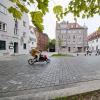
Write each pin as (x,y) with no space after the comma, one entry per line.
(93,36)
(73,26)
(68,25)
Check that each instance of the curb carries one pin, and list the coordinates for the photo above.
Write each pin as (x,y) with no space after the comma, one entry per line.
(81,87)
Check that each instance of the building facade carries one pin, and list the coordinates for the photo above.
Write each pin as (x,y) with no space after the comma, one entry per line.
(14,34)
(32,38)
(42,41)
(94,41)
(70,37)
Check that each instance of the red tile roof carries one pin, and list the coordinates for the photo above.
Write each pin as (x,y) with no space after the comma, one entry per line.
(93,36)
(73,25)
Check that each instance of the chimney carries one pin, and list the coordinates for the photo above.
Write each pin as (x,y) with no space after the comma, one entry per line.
(75,21)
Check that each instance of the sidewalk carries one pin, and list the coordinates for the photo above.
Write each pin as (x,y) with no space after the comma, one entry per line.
(10,57)
(81,87)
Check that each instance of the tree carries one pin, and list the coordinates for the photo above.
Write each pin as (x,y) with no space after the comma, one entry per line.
(36,15)
(51,44)
(83,8)
(79,8)
(98,28)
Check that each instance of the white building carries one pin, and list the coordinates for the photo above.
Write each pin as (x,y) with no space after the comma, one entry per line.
(70,37)
(94,41)
(13,33)
(32,38)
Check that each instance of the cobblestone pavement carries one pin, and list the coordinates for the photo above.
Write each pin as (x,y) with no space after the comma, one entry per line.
(17,75)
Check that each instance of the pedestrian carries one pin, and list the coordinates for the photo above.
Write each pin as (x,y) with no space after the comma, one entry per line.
(98,51)
(87,52)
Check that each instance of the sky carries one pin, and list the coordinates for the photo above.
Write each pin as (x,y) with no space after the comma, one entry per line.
(50,19)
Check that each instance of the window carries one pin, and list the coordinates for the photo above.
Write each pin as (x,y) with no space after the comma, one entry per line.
(16,24)
(32,39)
(69,31)
(3,9)
(16,27)
(73,41)
(2,45)
(63,26)
(97,47)
(32,43)
(24,34)
(73,31)
(24,23)
(71,26)
(76,26)
(73,36)
(69,49)
(62,36)
(63,31)
(79,31)
(24,46)
(96,40)
(3,26)
(0,26)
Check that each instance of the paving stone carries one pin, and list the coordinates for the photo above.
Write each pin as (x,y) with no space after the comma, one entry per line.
(17,74)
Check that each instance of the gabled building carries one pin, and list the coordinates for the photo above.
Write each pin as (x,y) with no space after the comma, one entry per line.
(14,34)
(42,40)
(94,41)
(70,37)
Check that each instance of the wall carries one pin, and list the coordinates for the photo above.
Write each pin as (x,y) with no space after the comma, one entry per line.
(92,44)
(9,36)
(64,37)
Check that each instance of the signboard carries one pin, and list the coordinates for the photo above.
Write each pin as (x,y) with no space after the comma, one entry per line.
(11,47)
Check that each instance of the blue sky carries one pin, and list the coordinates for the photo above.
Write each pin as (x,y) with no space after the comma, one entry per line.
(50,20)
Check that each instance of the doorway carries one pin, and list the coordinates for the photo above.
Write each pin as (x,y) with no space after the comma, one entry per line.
(15,47)
(68,49)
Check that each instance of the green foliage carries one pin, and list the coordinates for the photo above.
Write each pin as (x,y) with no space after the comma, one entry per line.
(51,44)
(83,8)
(31,1)
(43,6)
(61,55)
(16,13)
(79,8)
(94,95)
(36,16)
(98,28)
(58,10)
(37,19)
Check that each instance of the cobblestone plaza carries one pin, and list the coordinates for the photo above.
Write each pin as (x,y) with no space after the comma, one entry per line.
(17,76)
